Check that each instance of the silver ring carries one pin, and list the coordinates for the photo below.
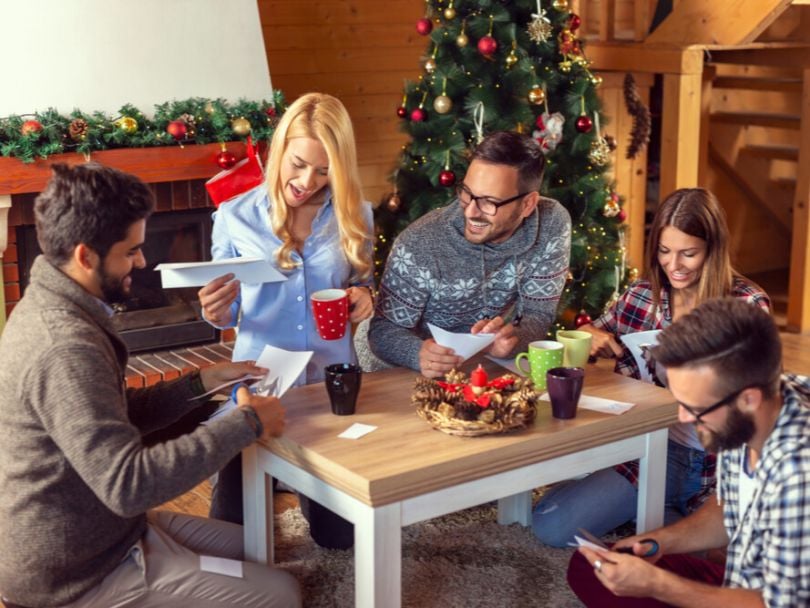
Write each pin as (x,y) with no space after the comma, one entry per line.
(597,565)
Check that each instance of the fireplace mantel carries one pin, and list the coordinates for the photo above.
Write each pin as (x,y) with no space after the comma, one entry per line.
(152,165)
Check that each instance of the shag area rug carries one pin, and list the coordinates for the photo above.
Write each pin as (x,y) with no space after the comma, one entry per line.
(465,559)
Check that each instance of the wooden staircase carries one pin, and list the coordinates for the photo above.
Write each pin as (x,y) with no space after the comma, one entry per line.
(735,119)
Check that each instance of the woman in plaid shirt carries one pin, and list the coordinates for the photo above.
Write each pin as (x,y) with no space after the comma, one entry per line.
(687,262)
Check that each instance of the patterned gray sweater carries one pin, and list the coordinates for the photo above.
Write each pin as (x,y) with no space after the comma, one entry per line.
(75,478)
(435,275)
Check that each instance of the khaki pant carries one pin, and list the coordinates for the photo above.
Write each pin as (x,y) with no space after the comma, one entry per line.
(163,570)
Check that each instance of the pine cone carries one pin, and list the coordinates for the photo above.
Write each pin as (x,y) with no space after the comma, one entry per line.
(445,409)
(642,123)
(487,416)
(77,129)
(455,377)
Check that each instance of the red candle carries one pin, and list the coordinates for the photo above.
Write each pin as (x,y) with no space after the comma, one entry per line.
(478,377)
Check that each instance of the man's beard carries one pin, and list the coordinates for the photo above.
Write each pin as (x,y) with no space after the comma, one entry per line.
(739,429)
(112,288)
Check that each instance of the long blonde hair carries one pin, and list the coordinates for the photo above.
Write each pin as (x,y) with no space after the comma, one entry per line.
(324,118)
(696,212)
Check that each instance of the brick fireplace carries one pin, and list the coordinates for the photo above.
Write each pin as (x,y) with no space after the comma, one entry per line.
(177,177)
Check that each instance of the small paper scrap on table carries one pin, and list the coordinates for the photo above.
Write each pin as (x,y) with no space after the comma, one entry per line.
(357,430)
(598,404)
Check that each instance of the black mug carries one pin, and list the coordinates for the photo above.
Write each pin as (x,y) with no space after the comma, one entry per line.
(343,385)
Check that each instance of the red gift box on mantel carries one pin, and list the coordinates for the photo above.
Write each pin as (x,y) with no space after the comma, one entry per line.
(243,176)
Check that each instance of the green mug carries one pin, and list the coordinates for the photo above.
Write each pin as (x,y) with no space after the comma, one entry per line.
(577,346)
(543,355)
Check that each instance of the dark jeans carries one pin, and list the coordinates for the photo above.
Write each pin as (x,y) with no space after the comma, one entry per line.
(326,528)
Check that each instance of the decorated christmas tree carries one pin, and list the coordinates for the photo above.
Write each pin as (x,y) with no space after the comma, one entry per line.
(519,65)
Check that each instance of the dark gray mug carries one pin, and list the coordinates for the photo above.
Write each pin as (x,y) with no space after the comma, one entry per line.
(564,385)
(343,385)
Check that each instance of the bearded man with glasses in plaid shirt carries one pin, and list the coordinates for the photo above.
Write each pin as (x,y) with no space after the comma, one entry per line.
(493,261)
(724,368)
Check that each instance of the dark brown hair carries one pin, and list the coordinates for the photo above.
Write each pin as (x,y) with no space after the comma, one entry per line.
(514,150)
(89,204)
(696,212)
(738,340)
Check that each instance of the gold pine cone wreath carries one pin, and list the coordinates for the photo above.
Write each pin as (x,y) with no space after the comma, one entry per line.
(475,406)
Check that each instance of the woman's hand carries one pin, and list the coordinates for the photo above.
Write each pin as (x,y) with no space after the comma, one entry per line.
(216,299)
(361,304)
(603,344)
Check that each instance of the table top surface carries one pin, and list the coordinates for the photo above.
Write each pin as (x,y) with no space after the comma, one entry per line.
(406,457)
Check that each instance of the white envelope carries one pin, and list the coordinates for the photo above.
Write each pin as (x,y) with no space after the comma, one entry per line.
(465,345)
(197,274)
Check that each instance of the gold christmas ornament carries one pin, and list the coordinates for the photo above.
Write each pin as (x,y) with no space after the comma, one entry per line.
(430,65)
(565,66)
(600,152)
(540,28)
(209,107)
(511,59)
(450,13)
(633,274)
(241,126)
(393,203)
(462,40)
(442,104)
(560,5)
(597,80)
(537,95)
(127,124)
(611,208)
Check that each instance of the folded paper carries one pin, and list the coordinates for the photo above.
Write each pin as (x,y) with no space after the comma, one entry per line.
(464,345)
(197,274)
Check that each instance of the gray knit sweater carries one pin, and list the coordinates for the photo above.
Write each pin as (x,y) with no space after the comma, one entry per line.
(75,479)
(435,275)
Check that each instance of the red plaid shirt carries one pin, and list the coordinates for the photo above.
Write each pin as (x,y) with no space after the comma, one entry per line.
(633,312)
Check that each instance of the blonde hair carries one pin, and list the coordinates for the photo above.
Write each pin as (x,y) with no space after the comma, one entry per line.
(324,118)
(696,212)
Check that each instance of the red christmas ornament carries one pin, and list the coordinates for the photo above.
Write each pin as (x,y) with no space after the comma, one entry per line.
(447,178)
(402,112)
(271,111)
(424,26)
(226,159)
(177,129)
(30,127)
(574,22)
(418,115)
(479,377)
(487,46)
(583,318)
(622,215)
(584,124)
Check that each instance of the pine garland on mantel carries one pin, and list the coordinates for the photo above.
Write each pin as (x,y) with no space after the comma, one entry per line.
(196,120)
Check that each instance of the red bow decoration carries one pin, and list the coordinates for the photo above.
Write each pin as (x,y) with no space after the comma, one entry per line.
(481,400)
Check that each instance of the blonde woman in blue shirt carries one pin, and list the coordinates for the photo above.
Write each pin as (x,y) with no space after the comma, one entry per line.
(310,221)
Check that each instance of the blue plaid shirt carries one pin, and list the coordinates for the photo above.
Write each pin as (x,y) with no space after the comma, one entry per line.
(769,546)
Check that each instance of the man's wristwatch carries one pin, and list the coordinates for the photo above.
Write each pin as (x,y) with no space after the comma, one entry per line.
(252,419)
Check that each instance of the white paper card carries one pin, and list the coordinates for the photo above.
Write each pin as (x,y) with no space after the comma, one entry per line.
(464,345)
(197,274)
(357,430)
(581,542)
(598,404)
(221,565)
(286,365)
(638,343)
(508,363)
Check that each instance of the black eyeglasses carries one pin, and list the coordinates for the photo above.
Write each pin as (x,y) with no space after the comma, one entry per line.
(698,415)
(486,205)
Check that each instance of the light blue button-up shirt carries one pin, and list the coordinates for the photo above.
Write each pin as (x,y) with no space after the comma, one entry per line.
(280,313)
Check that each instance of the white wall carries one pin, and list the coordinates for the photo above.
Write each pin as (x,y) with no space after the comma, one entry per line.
(101,54)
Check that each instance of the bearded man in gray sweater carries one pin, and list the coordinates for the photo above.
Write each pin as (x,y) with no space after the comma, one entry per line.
(77,481)
(493,261)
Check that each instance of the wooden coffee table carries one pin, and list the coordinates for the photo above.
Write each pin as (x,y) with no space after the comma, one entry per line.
(405,471)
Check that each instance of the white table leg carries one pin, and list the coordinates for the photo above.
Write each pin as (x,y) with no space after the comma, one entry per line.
(515,508)
(378,557)
(254,499)
(652,482)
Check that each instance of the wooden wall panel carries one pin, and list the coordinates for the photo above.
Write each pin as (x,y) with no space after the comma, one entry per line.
(361,51)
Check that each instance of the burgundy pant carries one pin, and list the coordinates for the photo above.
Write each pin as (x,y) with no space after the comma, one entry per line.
(582,580)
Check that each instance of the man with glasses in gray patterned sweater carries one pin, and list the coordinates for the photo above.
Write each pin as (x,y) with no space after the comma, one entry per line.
(493,261)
